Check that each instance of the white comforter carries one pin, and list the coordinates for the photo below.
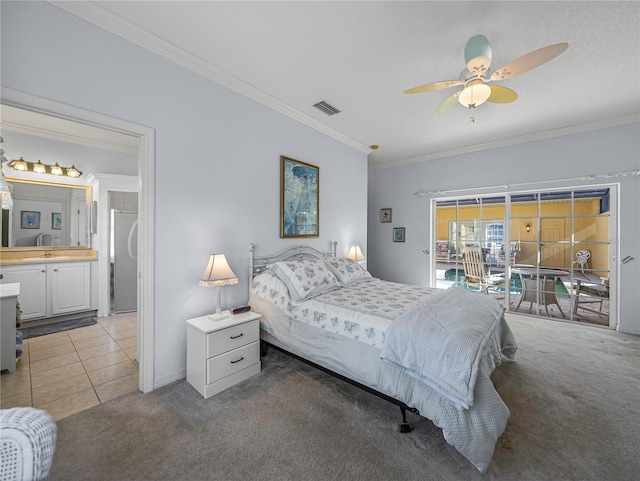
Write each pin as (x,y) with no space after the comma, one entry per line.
(446,342)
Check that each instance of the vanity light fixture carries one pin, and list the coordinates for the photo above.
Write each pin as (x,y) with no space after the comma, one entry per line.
(56,169)
(20,165)
(73,172)
(528,227)
(355,254)
(41,168)
(218,274)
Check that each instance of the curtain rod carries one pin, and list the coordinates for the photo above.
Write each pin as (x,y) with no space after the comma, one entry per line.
(608,175)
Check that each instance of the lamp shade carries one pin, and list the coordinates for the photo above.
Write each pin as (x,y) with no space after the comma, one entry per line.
(218,272)
(355,254)
(39,168)
(56,169)
(20,165)
(474,95)
(73,172)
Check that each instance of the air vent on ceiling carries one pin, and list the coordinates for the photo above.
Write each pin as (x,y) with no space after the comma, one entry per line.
(327,108)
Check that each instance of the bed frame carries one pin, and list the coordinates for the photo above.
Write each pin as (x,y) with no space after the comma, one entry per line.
(258,264)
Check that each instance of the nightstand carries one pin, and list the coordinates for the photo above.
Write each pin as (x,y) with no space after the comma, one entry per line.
(222,353)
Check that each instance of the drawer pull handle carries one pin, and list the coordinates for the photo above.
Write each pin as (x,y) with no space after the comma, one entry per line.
(241,359)
(236,337)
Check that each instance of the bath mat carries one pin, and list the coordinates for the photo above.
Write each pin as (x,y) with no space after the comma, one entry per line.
(36,331)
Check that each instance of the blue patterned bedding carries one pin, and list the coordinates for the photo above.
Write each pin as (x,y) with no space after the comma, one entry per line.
(362,311)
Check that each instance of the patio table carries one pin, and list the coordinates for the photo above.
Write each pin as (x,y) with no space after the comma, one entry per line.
(539,287)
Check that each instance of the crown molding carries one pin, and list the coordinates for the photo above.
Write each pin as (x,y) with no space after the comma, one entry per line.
(122,28)
(66,137)
(532,137)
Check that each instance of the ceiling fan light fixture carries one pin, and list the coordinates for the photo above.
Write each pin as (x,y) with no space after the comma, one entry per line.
(477,57)
(474,95)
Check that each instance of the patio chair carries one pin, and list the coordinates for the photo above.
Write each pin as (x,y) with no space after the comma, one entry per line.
(476,271)
(591,294)
(582,258)
(512,254)
(443,250)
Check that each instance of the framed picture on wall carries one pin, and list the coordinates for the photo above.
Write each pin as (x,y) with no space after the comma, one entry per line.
(385,215)
(299,198)
(56,220)
(398,234)
(29,219)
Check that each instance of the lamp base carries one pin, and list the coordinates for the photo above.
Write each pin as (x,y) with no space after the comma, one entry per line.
(218,316)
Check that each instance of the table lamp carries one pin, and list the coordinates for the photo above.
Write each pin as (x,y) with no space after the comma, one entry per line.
(355,254)
(218,274)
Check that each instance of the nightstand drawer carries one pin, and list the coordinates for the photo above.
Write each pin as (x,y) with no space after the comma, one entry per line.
(232,337)
(232,361)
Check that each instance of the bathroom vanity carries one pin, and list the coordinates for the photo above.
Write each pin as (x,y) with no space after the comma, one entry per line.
(58,284)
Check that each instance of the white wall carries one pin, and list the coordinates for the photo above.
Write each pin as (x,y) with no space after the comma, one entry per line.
(546,161)
(87,159)
(217,158)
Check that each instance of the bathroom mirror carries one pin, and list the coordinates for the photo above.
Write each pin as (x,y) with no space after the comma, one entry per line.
(46,214)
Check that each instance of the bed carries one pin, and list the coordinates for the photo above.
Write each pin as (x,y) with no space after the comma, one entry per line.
(430,351)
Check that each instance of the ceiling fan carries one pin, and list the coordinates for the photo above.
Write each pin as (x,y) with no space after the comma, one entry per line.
(477,55)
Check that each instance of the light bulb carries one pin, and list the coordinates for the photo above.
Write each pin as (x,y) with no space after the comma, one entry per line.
(56,169)
(39,168)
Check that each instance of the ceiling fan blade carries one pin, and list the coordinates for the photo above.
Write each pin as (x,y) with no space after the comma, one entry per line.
(433,86)
(448,103)
(502,95)
(477,55)
(529,61)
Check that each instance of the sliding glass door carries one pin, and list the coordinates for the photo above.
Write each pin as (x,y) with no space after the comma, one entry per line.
(545,253)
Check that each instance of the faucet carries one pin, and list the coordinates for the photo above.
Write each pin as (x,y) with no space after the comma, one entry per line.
(47,253)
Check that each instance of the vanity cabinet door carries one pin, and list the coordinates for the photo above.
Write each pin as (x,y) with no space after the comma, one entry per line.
(33,289)
(70,287)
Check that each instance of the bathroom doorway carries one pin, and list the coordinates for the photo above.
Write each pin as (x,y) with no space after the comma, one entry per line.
(145,139)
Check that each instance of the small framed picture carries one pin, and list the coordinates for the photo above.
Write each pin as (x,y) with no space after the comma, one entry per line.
(398,234)
(56,220)
(29,219)
(385,215)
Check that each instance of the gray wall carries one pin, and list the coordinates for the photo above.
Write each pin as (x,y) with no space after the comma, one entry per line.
(542,164)
(217,159)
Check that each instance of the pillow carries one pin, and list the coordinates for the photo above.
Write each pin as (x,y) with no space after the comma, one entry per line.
(348,271)
(305,278)
(268,284)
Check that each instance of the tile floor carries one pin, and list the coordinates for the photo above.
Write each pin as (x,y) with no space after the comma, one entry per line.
(70,371)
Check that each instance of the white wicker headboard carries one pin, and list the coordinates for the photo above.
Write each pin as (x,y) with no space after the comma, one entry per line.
(257,264)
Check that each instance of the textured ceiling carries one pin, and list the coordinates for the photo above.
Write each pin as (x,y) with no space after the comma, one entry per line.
(360,56)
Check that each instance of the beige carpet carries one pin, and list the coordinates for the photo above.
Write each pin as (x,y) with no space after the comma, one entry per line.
(573,392)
